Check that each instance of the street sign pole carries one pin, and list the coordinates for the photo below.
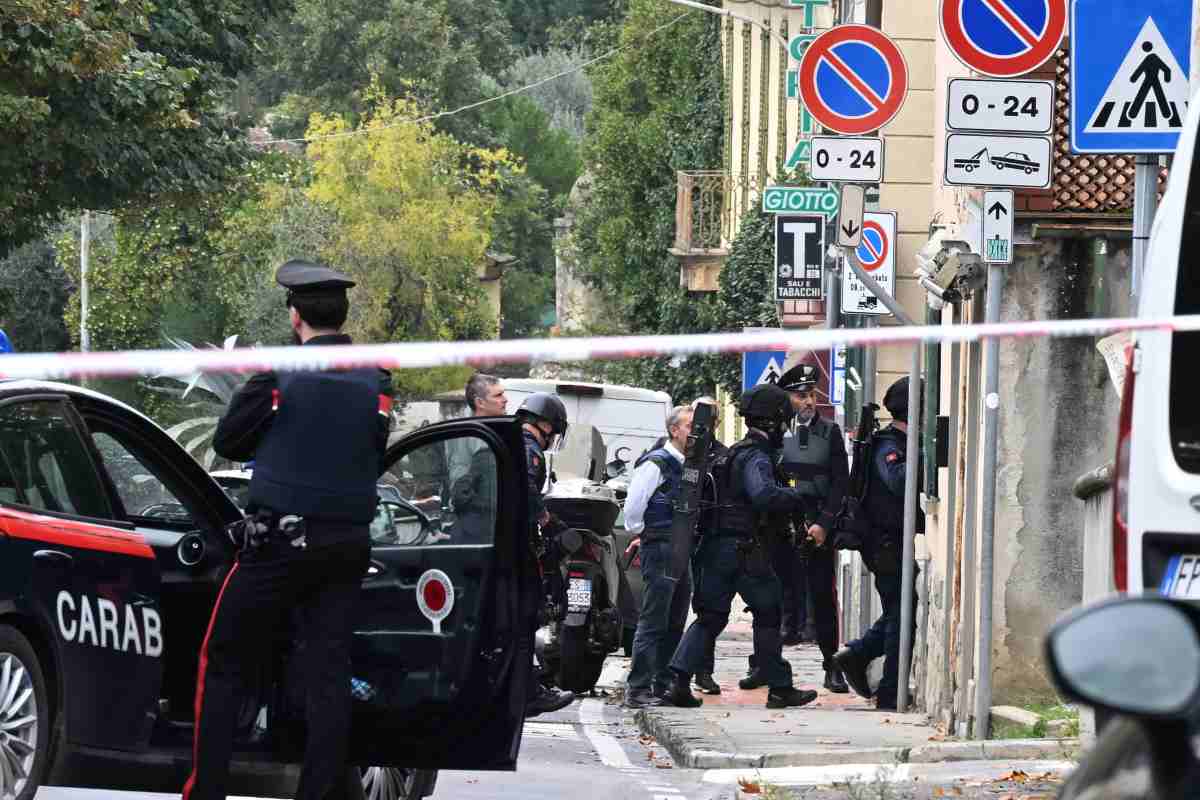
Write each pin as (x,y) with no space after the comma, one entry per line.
(1145,202)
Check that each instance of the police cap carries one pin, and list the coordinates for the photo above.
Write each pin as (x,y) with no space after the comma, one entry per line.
(800,378)
(304,277)
(765,401)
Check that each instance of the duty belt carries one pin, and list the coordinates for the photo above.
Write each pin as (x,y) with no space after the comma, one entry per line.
(265,526)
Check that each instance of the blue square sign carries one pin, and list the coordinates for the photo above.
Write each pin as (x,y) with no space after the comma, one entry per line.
(764,367)
(1130,63)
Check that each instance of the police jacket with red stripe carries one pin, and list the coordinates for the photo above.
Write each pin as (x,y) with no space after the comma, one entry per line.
(317,439)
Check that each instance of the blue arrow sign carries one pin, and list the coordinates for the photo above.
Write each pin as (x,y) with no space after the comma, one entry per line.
(763,367)
(1130,61)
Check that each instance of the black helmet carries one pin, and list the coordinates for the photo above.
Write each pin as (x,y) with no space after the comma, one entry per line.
(765,401)
(895,400)
(800,378)
(546,407)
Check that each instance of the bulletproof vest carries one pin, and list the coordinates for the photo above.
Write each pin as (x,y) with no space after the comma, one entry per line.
(660,511)
(535,457)
(884,509)
(806,455)
(320,457)
(735,515)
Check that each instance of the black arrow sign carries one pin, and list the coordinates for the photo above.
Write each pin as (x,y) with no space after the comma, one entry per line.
(998,209)
(850,228)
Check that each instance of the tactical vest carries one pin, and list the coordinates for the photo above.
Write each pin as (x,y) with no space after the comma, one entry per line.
(735,515)
(806,464)
(884,509)
(320,457)
(660,511)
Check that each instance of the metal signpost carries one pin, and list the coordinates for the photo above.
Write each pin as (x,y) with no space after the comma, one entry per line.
(799,257)
(877,257)
(1001,39)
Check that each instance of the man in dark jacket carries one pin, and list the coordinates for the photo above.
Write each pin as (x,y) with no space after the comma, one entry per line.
(317,440)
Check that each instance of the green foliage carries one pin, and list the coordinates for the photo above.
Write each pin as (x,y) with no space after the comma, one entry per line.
(103,103)
(566,100)
(34,292)
(533,20)
(433,51)
(658,109)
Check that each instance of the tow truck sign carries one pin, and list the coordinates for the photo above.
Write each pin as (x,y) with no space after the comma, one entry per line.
(1006,161)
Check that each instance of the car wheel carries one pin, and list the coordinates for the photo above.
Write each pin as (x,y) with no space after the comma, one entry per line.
(397,783)
(24,717)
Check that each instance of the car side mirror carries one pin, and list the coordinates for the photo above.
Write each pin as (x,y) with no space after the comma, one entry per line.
(396,523)
(1134,656)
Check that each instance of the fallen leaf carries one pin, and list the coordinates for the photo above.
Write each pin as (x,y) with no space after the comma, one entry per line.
(646,740)
(833,741)
(663,765)
(749,787)
(1016,776)
(778,715)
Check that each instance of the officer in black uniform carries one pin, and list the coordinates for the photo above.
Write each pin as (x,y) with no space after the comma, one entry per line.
(735,558)
(883,505)
(704,675)
(543,418)
(814,462)
(317,440)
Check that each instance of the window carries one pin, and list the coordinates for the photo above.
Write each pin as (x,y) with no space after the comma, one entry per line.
(449,488)
(51,468)
(141,491)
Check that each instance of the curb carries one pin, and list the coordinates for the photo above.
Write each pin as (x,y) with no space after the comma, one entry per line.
(696,752)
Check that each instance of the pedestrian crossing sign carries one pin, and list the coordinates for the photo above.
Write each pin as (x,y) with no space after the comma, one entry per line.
(1130,63)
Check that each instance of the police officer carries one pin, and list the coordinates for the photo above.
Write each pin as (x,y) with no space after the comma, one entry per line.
(650,514)
(704,674)
(543,419)
(814,461)
(884,507)
(317,440)
(735,560)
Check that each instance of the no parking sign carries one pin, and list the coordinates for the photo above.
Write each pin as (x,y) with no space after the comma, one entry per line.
(1003,38)
(877,256)
(853,79)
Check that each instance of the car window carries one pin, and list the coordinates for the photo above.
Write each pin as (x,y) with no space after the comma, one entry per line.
(451,481)
(141,491)
(8,482)
(51,468)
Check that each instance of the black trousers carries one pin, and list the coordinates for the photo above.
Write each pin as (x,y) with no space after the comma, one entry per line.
(793,577)
(821,577)
(259,594)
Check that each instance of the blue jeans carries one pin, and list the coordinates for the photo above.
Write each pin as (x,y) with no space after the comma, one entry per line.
(660,623)
(720,577)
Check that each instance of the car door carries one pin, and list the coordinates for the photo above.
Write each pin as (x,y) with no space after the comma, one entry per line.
(92,582)
(443,643)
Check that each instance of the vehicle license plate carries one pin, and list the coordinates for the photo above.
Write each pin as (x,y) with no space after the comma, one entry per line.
(579,593)
(1182,578)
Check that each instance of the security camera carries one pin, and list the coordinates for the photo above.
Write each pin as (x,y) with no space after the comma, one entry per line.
(942,263)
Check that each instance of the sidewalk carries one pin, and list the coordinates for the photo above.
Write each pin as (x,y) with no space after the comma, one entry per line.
(736,730)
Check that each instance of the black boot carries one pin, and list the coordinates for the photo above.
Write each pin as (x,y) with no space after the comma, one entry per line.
(706,683)
(789,697)
(835,683)
(854,669)
(642,698)
(547,700)
(679,694)
(792,638)
(754,680)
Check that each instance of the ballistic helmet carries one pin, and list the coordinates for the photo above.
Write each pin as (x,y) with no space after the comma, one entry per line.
(547,408)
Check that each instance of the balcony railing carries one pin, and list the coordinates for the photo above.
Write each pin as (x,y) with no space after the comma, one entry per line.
(703,224)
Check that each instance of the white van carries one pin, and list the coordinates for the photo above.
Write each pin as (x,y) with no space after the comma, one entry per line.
(1156,481)
(631,420)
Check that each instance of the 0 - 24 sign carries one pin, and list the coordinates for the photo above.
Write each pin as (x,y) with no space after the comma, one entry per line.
(995,106)
(847,159)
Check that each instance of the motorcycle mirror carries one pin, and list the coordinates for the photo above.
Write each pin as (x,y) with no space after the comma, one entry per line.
(1135,656)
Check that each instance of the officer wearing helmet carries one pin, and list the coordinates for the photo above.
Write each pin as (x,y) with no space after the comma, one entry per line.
(543,419)
(814,462)
(734,558)
(882,551)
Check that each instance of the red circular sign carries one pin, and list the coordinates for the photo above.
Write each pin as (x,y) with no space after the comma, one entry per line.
(435,595)
(865,69)
(980,38)
(876,255)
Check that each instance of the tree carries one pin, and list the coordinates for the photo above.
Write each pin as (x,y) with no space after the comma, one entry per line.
(435,52)
(533,20)
(101,103)
(34,292)
(658,109)
(566,100)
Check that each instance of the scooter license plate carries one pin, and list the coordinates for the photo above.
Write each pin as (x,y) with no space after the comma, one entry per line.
(579,594)
(1182,577)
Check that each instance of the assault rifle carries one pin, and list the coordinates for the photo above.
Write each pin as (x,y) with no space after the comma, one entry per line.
(687,502)
(852,525)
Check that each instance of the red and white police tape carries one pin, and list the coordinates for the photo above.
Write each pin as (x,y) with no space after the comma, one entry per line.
(416,355)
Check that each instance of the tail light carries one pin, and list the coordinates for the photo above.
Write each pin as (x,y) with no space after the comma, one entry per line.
(1120,486)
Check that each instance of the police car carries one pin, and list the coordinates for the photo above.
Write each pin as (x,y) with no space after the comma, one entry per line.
(111,554)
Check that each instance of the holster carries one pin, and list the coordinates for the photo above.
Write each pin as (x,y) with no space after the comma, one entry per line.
(254,531)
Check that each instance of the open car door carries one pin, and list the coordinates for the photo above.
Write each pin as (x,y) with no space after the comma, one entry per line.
(443,645)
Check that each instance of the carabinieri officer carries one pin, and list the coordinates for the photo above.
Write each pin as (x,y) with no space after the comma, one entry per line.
(317,440)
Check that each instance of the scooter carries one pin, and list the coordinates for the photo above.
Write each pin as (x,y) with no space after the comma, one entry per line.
(581,623)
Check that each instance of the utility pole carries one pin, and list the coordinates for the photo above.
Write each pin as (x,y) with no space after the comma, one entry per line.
(85,243)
